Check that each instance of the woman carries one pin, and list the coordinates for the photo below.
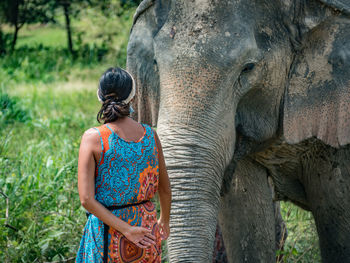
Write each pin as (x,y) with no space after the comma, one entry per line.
(120,168)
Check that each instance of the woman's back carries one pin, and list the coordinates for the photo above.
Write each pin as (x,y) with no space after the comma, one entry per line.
(126,174)
(127,171)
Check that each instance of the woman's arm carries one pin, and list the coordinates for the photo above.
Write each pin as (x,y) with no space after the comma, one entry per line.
(90,142)
(164,192)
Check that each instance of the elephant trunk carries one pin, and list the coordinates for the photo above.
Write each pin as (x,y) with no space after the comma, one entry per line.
(193,164)
(193,223)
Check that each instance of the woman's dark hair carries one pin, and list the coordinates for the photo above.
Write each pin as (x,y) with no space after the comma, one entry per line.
(115,85)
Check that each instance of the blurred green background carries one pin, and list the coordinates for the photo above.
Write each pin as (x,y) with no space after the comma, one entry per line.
(52,54)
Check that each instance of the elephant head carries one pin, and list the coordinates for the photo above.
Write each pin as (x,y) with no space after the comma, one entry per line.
(221,79)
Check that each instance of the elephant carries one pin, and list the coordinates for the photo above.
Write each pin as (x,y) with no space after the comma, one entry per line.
(251,103)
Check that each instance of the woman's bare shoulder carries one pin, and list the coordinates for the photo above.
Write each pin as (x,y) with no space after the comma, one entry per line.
(90,136)
(89,131)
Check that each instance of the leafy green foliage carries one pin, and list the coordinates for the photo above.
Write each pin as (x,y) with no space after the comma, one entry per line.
(301,245)
(19,12)
(130,2)
(5,40)
(47,64)
(11,110)
(109,26)
(38,167)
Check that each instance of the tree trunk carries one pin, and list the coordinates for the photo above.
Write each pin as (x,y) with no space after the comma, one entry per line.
(14,40)
(2,43)
(14,22)
(68,27)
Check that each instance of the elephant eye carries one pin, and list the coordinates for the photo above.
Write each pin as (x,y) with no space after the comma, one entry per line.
(248,67)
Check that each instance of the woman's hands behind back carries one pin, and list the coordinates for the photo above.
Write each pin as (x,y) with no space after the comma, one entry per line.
(140,236)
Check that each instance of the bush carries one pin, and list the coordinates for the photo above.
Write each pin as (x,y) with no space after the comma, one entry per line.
(11,110)
(47,64)
(38,163)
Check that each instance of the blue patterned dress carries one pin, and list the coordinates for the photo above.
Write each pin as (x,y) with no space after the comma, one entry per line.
(126,173)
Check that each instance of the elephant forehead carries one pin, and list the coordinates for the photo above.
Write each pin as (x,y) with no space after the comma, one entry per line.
(221,33)
(205,63)
(192,95)
(188,82)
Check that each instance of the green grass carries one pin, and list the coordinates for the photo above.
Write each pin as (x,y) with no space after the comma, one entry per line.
(47,35)
(39,165)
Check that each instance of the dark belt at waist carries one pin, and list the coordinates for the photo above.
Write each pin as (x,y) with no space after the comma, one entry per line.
(106,227)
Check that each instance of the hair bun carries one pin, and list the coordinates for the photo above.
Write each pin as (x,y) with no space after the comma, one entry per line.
(111,110)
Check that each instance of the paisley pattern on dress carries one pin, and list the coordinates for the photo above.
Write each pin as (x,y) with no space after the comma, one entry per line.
(126,173)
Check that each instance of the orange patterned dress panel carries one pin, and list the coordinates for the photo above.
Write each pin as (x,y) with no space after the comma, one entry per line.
(127,173)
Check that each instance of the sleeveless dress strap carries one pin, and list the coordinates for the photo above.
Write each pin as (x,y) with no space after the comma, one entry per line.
(104,133)
(96,128)
(155,141)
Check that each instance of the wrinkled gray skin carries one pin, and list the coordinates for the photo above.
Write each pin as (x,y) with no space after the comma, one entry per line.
(251,103)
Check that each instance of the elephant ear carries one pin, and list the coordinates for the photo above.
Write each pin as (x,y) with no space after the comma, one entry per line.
(317,98)
(149,17)
(341,5)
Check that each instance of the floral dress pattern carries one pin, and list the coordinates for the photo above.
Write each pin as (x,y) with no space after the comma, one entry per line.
(127,173)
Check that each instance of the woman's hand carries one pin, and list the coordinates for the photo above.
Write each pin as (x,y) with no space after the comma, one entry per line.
(140,236)
(164,229)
